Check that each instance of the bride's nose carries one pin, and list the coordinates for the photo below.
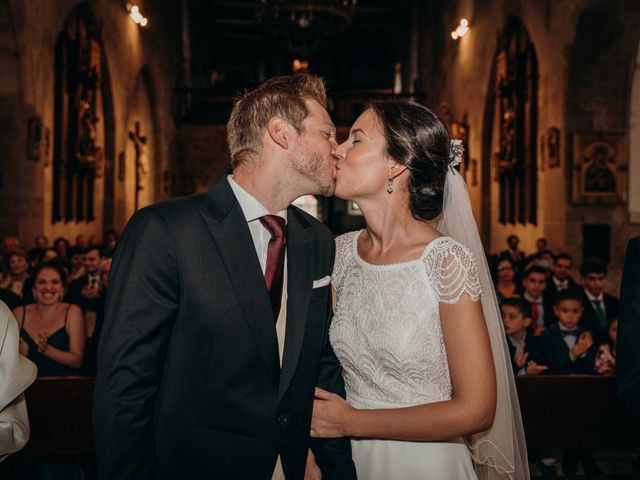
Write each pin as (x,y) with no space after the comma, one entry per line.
(340,151)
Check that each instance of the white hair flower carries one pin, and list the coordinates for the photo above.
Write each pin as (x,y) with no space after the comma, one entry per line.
(455,153)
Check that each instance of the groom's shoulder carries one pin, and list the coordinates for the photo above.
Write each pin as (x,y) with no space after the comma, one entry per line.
(174,211)
(319,229)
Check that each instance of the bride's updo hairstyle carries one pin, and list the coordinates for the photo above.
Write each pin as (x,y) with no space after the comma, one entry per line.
(417,139)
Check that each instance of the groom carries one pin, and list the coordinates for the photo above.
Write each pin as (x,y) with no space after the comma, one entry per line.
(217,316)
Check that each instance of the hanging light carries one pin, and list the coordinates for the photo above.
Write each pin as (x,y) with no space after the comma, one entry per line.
(461,29)
(136,15)
(302,26)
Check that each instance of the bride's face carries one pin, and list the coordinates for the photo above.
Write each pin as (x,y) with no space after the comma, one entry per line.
(363,168)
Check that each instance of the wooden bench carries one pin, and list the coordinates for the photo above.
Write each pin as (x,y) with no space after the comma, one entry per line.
(557,411)
(576,411)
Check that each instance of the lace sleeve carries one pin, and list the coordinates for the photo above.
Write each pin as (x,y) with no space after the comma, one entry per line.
(343,253)
(456,272)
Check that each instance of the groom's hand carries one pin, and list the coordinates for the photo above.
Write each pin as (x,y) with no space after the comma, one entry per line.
(312,471)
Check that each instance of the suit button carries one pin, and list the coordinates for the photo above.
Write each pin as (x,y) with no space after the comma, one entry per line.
(281,419)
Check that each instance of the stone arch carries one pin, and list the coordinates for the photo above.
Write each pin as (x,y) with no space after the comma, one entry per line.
(83,136)
(12,125)
(509,152)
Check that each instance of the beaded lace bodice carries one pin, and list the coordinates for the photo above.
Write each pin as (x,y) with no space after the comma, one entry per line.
(386,331)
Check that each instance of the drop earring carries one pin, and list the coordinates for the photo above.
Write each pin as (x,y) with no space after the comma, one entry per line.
(390,185)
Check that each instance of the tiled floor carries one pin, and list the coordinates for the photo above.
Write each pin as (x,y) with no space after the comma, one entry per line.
(616,464)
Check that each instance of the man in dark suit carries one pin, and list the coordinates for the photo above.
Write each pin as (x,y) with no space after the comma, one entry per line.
(628,359)
(212,344)
(599,307)
(559,280)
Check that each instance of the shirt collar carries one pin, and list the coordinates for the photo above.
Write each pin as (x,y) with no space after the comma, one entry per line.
(529,298)
(517,343)
(559,282)
(250,206)
(591,297)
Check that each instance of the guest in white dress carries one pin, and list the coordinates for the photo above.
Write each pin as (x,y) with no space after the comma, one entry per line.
(420,351)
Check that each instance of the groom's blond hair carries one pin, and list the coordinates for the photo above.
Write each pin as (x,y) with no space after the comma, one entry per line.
(280,96)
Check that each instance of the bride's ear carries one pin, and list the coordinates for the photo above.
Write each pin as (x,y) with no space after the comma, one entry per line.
(396,169)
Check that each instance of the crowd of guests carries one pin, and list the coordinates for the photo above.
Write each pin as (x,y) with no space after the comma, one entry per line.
(555,324)
(57,293)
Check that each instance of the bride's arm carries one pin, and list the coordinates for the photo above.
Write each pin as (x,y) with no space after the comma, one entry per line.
(470,410)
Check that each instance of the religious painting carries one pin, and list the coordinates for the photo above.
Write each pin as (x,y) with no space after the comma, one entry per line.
(550,148)
(599,169)
(34,138)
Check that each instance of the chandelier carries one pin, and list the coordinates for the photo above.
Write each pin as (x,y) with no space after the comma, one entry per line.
(302,26)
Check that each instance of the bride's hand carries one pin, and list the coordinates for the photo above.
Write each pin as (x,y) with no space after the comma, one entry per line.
(330,415)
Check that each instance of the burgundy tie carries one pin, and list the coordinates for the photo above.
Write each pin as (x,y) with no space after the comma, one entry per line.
(274,270)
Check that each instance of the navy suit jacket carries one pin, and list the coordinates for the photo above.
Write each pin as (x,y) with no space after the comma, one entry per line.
(589,320)
(189,383)
(555,353)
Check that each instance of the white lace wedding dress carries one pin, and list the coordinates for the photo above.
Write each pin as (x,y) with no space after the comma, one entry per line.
(387,335)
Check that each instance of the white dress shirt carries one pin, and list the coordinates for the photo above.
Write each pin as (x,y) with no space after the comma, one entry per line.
(253,210)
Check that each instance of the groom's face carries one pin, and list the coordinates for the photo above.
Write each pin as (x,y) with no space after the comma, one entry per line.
(314,155)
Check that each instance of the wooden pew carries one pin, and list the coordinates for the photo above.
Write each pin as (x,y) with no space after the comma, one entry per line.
(60,416)
(558,411)
(576,411)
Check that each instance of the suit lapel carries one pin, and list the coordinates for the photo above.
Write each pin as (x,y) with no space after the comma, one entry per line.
(299,283)
(229,230)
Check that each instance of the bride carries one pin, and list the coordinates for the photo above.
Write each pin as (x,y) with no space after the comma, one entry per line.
(430,394)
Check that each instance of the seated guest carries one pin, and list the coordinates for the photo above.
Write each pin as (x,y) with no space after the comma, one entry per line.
(94,241)
(82,241)
(93,340)
(606,352)
(18,266)
(76,262)
(506,287)
(110,242)
(513,253)
(542,259)
(51,331)
(524,348)
(541,246)
(568,348)
(41,242)
(62,245)
(599,306)
(17,373)
(560,278)
(47,254)
(86,291)
(533,284)
(8,297)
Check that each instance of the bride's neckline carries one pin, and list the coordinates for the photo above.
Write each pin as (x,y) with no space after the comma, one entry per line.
(390,266)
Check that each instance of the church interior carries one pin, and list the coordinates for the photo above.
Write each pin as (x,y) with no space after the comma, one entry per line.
(108,106)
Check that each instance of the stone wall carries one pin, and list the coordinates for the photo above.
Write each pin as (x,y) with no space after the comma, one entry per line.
(29,34)
(585,51)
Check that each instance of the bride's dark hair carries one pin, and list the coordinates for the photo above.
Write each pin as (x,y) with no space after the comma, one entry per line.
(416,138)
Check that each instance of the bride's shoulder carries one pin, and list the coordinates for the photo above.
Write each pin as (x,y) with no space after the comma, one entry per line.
(346,240)
(445,251)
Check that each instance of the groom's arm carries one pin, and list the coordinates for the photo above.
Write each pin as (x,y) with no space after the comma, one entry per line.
(141,305)
(333,456)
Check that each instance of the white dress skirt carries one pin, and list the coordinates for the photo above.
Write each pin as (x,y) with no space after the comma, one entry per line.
(391,459)
(386,332)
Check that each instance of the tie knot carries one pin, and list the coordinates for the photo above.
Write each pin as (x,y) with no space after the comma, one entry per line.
(275,224)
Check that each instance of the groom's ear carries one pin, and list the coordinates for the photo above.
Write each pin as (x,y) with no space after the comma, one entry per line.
(280,131)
